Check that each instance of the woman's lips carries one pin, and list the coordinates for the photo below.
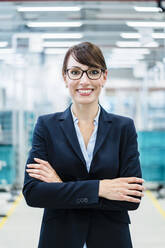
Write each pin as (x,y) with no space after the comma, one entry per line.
(85,92)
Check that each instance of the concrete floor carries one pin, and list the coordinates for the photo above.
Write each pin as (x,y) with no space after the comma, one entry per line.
(21,229)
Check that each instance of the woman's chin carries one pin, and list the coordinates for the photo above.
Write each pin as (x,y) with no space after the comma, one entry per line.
(85,101)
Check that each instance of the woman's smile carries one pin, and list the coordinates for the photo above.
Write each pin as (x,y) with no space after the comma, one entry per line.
(85,91)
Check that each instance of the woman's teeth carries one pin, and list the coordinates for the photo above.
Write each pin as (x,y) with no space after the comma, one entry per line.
(85,91)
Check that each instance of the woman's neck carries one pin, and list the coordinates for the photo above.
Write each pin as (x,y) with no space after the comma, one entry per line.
(85,112)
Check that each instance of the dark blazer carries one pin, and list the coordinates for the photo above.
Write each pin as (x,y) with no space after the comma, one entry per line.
(73,211)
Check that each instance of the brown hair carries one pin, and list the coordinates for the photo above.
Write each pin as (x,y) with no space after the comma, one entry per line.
(85,53)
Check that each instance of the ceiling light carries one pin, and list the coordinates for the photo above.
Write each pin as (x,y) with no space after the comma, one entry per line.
(62,36)
(47,9)
(3,43)
(158,35)
(146,24)
(137,35)
(122,57)
(130,51)
(55,51)
(127,44)
(53,24)
(123,65)
(135,44)
(59,44)
(130,35)
(147,9)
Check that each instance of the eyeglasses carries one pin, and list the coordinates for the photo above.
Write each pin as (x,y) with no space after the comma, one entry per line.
(76,73)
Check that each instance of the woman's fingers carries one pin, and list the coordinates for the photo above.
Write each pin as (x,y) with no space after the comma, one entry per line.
(122,189)
(38,166)
(136,186)
(134,193)
(37,176)
(43,162)
(132,179)
(130,199)
(43,171)
(36,171)
(41,175)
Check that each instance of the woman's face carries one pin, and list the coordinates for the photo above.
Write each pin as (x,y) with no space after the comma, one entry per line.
(83,90)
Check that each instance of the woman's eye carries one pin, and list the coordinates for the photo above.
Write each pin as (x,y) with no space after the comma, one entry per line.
(75,72)
(94,72)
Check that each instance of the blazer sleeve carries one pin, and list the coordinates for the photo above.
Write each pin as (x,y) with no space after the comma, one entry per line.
(129,166)
(55,195)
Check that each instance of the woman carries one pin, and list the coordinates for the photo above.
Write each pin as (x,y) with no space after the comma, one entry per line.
(83,168)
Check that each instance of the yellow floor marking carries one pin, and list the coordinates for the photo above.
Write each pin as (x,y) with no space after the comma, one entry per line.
(155,202)
(11,210)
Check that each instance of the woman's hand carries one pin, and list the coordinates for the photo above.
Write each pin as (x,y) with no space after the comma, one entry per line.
(122,189)
(43,171)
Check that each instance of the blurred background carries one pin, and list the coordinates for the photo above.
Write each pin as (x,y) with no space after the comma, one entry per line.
(34,36)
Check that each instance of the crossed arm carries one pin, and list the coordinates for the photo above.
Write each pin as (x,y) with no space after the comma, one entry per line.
(44,188)
(121,189)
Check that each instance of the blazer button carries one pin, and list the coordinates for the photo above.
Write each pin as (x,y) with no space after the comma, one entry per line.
(78,200)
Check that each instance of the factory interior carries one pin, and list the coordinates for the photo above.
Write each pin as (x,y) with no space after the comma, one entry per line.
(34,37)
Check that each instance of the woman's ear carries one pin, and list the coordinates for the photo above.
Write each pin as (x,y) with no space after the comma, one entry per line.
(65,81)
(105,75)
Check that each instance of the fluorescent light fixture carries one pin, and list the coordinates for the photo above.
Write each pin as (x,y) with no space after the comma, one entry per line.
(122,57)
(135,44)
(47,9)
(137,35)
(124,62)
(130,35)
(53,24)
(59,44)
(122,65)
(158,35)
(147,9)
(127,44)
(6,50)
(55,51)
(62,36)
(3,43)
(146,24)
(128,51)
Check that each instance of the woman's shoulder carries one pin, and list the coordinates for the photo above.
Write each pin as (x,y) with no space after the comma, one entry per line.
(48,118)
(120,119)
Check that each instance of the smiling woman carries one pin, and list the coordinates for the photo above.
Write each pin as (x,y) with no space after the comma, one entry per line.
(83,168)
(85,73)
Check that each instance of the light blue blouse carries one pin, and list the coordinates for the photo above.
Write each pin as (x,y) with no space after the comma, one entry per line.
(87,153)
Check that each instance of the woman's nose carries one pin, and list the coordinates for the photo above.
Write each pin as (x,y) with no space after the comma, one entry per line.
(84,78)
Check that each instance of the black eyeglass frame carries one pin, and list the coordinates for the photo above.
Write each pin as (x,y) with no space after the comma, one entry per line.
(102,70)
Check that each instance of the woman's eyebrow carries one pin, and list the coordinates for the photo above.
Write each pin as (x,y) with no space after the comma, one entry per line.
(89,67)
(75,67)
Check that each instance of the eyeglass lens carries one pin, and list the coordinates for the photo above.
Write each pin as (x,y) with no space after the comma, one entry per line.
(76,73)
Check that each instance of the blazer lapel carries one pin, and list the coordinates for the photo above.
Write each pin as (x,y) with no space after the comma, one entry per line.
(104,126)
(67,125)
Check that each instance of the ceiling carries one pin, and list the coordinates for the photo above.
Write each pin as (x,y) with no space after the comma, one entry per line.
(101,22)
